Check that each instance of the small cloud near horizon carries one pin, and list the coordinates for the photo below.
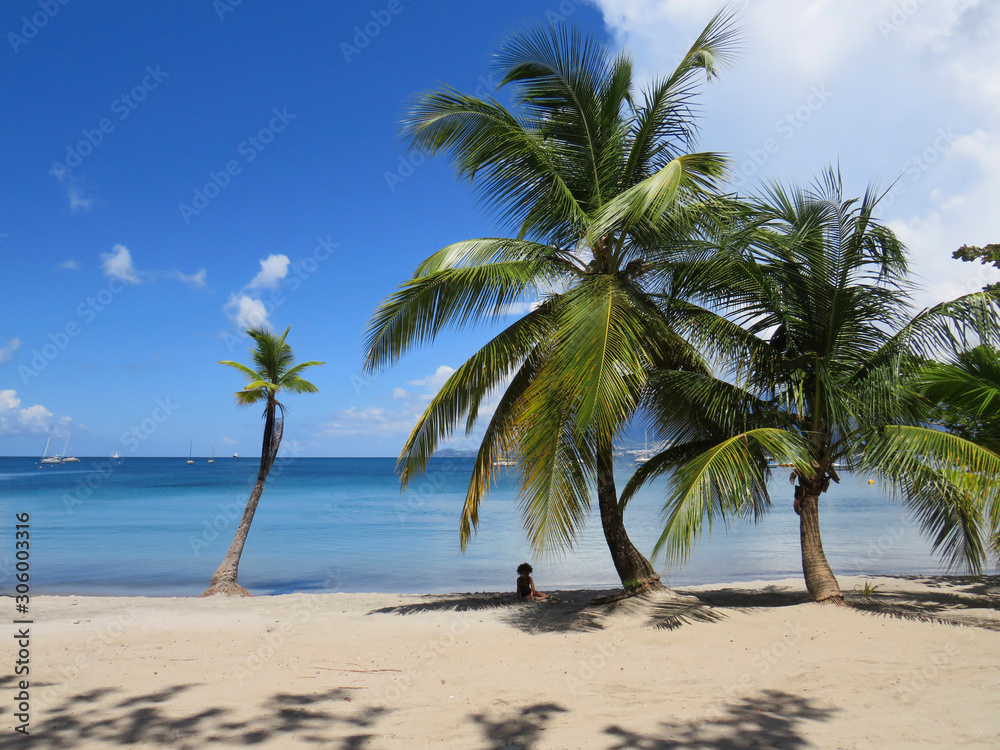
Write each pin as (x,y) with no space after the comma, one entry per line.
(398,422)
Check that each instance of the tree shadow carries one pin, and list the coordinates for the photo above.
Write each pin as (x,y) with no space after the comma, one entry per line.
(749,599)
(520,732)
(452,603)
(972,601)
(570,611)
(771,720)
(563,611)
(674,614)
(109,717)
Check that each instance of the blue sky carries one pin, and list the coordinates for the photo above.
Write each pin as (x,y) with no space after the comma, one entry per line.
(171,168)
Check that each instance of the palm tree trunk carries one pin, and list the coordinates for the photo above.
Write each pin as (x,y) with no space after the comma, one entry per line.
(224,579)
(635,571)
(820,581)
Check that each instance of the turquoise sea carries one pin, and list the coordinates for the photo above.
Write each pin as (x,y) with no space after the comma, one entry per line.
(156,526)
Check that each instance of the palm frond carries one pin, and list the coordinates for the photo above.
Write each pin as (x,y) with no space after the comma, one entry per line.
(727,481)
(500,441)
(465,389)
(950,484)
(424,305)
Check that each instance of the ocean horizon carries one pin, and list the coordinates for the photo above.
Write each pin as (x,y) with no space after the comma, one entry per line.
(159,527)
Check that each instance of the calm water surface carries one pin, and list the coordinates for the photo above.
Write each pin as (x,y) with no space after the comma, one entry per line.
(156,526)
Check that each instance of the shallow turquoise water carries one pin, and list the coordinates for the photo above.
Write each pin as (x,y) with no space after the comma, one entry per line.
(156,526)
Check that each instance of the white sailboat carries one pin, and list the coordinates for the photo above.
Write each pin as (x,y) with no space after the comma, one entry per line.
(211,459)
(46,458)
(645,454)
(191,453)
(69,459)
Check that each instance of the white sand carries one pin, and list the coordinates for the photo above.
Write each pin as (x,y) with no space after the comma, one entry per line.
(754,667)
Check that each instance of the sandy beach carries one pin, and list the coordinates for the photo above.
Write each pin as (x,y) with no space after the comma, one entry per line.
(732,666)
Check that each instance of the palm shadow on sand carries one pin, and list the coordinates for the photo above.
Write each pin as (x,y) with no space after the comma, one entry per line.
(771,719)
(951,600)
(108,717)
(568,611)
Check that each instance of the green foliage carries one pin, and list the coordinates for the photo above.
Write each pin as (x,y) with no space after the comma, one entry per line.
(867,589)
(966,392)
(988,255)
(597,182)
(813,341)
(273,370)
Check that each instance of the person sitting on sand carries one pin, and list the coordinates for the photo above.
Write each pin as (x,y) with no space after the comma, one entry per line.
(526,586)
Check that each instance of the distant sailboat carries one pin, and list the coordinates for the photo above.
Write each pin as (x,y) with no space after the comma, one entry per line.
(69,459)
(191,453)
(236,455)
(211,459)
(115,455)
(46,458)
(644,455)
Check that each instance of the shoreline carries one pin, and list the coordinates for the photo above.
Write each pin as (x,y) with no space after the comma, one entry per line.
(745,664)
(847,581)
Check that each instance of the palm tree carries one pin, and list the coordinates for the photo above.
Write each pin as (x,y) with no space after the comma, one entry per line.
(596,180)
(272,372)
(815,347)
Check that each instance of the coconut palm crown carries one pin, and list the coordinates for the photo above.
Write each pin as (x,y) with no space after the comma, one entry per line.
(596,181)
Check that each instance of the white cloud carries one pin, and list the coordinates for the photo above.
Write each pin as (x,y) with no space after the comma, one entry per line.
(247,312)
(245,307)
(435,381)
(69,265)
(15,420)
(273,269)
(960,213)
(519,308)
(78,199)
(895,76)
(398,422)
(8,350)
(195,280)
(371,421)
(118,265)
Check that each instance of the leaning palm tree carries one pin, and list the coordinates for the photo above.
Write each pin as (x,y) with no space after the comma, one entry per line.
(596,180)
(272,372)
(815,348)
